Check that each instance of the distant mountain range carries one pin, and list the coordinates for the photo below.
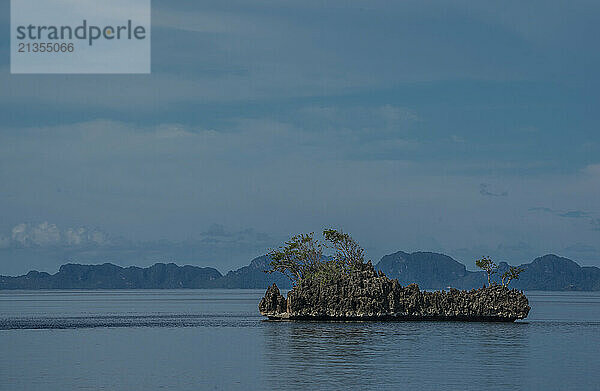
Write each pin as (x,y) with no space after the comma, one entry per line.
(428,270)
(438,271)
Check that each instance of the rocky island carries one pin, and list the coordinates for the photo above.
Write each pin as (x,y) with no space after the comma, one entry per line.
(344,287)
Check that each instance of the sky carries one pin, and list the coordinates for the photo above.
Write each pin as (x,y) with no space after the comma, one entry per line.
(466,127)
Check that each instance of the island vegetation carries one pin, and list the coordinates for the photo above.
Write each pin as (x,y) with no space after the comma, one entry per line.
(302,257)
(490,268)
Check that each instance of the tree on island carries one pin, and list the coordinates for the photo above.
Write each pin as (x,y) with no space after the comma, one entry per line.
(490,267)
(486,264)
(302,256)
(512,273)
(348,253)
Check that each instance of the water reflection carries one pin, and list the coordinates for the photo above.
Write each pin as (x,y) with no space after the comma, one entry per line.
(418,355)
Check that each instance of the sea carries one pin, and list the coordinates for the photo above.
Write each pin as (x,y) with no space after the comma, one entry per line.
(216,340)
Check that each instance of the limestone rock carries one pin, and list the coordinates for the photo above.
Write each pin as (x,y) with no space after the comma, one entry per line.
(273,303)
(369,295)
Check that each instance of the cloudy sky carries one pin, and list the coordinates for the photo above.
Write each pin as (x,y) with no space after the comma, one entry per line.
(467,127)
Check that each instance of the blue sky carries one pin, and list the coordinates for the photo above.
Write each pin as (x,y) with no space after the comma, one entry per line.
(466,127)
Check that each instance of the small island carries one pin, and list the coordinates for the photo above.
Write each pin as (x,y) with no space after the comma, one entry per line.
(344,287)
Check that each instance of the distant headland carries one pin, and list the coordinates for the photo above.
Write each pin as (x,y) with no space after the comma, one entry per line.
(427,269)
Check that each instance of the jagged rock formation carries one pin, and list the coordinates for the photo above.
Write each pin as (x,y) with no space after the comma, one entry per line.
(370,295)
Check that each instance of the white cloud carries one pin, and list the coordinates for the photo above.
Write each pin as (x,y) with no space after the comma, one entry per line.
(82,236)
(35,246)
(47,234)
(36,235)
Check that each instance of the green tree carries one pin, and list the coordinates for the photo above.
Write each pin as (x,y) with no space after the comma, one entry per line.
(486,264)
(512,273)
(298,258)
(302,256)
(348,253)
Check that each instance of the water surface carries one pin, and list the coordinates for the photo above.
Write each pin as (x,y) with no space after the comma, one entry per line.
(216,340)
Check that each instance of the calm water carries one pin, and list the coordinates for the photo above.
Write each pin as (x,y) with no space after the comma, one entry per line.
(216,340)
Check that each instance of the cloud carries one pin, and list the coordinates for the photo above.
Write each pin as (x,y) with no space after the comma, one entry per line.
(384,117)
(84,236)
(571,214)
(36,235)
(268,50)
(45,234)
(574,214)
(50,235)
(541,209)
(485,190)
(45,246)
